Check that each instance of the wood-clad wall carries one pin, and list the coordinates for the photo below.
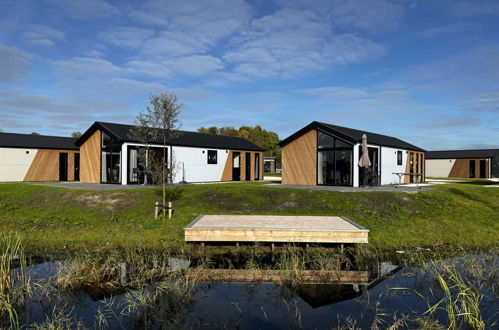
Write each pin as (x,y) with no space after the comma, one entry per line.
(90,159)
(45,165)
(299,160)
(227,172)
(461,168)
(419,166)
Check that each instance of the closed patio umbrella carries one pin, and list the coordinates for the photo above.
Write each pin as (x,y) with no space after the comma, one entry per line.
(364,160)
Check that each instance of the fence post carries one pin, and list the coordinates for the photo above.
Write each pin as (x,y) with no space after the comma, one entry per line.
(156,210)
(170,210)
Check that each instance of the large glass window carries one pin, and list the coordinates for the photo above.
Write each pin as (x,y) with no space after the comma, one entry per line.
(110,160)
(334,161)
(324,140)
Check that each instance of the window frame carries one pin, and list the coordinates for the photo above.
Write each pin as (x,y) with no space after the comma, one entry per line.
(400,161)
(209,159)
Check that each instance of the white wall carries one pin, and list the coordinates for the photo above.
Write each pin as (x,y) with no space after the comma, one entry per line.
(389,165)
(356,158)
(439,168)
(196,165)
(15,163)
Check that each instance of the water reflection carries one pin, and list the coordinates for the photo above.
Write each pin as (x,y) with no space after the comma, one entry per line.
(193,296)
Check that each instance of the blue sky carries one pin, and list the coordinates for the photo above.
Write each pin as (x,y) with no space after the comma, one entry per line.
(424,71)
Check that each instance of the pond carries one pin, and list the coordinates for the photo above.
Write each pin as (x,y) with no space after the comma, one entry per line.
(192,295)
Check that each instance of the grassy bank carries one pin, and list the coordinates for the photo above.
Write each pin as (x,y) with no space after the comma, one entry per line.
(57,219)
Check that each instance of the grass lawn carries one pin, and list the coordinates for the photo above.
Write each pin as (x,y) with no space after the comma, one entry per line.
(57,219)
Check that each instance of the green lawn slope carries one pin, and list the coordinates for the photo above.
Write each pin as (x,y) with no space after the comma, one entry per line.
(51,219)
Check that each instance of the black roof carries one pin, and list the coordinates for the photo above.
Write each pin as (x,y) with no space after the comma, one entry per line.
(15,140)
(455,154)
(121,132)
(353,136)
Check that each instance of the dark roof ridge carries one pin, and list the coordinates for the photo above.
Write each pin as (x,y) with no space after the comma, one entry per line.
(186,138)
(179,130)
(356,129)
(353,136)
(41,135)
(481,149)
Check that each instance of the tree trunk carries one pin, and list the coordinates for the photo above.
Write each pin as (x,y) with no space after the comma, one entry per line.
(164,175)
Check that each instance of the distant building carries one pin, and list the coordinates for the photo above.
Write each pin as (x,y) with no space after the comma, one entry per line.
(28,157)
(478,163)
(109,155)
(325,154)
(106,153)
(269,165)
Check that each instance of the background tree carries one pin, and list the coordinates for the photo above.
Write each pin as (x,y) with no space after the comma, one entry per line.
(268,140)
(156,124)
(76,134)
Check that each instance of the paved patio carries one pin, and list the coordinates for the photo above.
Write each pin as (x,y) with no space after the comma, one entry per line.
(352,189)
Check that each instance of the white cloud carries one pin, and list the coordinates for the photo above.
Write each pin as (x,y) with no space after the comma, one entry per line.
(445,29)
(86,9)
(370,16)
(473,7)
(189,27)
(13,63)
(42,35)
(149,68)
(485,100)
(127,37)
(197,65)
(335,92)
(86,66)
(292,42)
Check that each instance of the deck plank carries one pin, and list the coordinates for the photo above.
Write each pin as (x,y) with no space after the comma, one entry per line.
(271,228)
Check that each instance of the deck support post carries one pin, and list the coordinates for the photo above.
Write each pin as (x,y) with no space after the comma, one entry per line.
(156,210)
(237,244)
(342,248)
(307,247)
(272,247)
(202,246)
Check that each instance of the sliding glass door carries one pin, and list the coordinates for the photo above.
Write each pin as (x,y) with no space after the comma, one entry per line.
(334,161)
(110,160)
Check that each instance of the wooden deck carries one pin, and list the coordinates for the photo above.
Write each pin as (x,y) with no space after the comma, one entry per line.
(274,229)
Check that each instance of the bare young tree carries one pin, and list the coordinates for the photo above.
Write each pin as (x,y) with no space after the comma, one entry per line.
(158,123)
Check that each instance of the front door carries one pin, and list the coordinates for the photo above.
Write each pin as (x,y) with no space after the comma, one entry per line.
(483,168)
(248,167)
(236,166)
(63,166)
(472,168)
(77,167)
(257,166)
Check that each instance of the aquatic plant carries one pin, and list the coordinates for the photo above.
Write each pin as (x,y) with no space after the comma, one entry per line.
(11,252)
(13,280)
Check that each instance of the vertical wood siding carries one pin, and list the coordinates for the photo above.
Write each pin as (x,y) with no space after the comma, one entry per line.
(45,165)
(299,160)
(90,159)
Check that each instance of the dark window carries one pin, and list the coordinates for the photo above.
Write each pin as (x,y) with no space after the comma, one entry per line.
(472,168)
(341,144)
(399,157)
(325,140)
(212,156)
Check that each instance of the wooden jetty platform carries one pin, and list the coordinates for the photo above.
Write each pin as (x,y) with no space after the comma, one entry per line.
(275,229)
